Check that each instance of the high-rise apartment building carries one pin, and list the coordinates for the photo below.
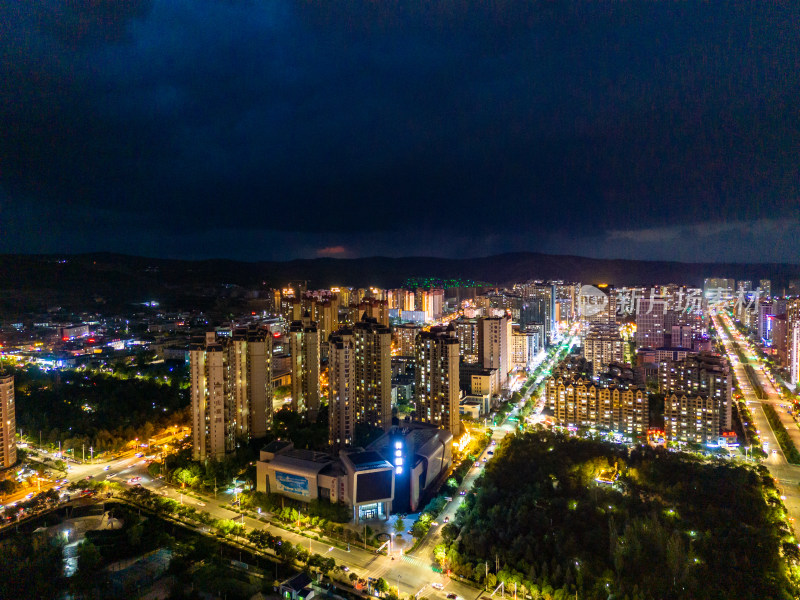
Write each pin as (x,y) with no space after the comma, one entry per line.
(613,403)
(437,303)
(231,390)
(212,406)
(791,350)
(341,389)
(344,294)
(794,353)
(467,334)
(401,299)
(524,348)
(8,422)
(703,375)
(651,322)
(691,418)
(373,366)
(403,338)
(682,336)
(250,381)
(596,306)
(539,306)
(766,288)
(718,288)
(326,314)
(494,346)
(603,346)
(304,349)
(431,302)
(359,380)
(566,301)
(437,378)
(766,309)
(375,309)
(779,335)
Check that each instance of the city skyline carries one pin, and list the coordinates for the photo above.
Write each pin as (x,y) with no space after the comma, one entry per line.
(399,300)
(290,130)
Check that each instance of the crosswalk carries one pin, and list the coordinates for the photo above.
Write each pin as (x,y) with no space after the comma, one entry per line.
(417,561)
(387,567)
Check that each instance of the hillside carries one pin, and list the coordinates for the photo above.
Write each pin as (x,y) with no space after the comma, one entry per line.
(119,278)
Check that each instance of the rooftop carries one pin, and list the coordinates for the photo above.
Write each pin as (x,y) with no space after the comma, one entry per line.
(366,460)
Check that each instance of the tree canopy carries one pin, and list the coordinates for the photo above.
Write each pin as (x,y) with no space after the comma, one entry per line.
(670,526)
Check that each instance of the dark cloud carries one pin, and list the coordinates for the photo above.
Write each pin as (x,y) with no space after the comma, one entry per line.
(291,128)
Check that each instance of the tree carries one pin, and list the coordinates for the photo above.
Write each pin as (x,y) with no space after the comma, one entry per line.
(7,486)
(382,585)
(399,525)
(440,554)
(491,581)
(89,558)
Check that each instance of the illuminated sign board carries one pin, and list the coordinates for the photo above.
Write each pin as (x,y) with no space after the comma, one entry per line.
(292,484)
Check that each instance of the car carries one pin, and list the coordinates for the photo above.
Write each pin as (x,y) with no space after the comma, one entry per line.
(345,568)
(434,524)
(106,468)
(449,499)
(200,503)
(462,493)
(490,453)
(446,519)
(774,451)
(139,455)
(452,596)
(437,586)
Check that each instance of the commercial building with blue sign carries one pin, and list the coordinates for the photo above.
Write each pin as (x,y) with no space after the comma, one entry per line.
(392,475)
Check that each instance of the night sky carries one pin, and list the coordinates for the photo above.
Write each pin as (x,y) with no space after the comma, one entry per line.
(270,129)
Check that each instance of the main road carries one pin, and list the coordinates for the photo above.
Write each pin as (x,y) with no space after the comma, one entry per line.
(787,475)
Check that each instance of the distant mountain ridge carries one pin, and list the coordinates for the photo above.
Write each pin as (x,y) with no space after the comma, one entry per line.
(129,278)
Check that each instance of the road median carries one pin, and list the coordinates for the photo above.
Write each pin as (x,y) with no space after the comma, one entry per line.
(785,442)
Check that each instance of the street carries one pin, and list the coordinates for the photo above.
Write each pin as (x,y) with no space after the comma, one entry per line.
(787,475)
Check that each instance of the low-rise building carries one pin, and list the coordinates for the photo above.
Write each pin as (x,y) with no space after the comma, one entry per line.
(421,455)
(361,479)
